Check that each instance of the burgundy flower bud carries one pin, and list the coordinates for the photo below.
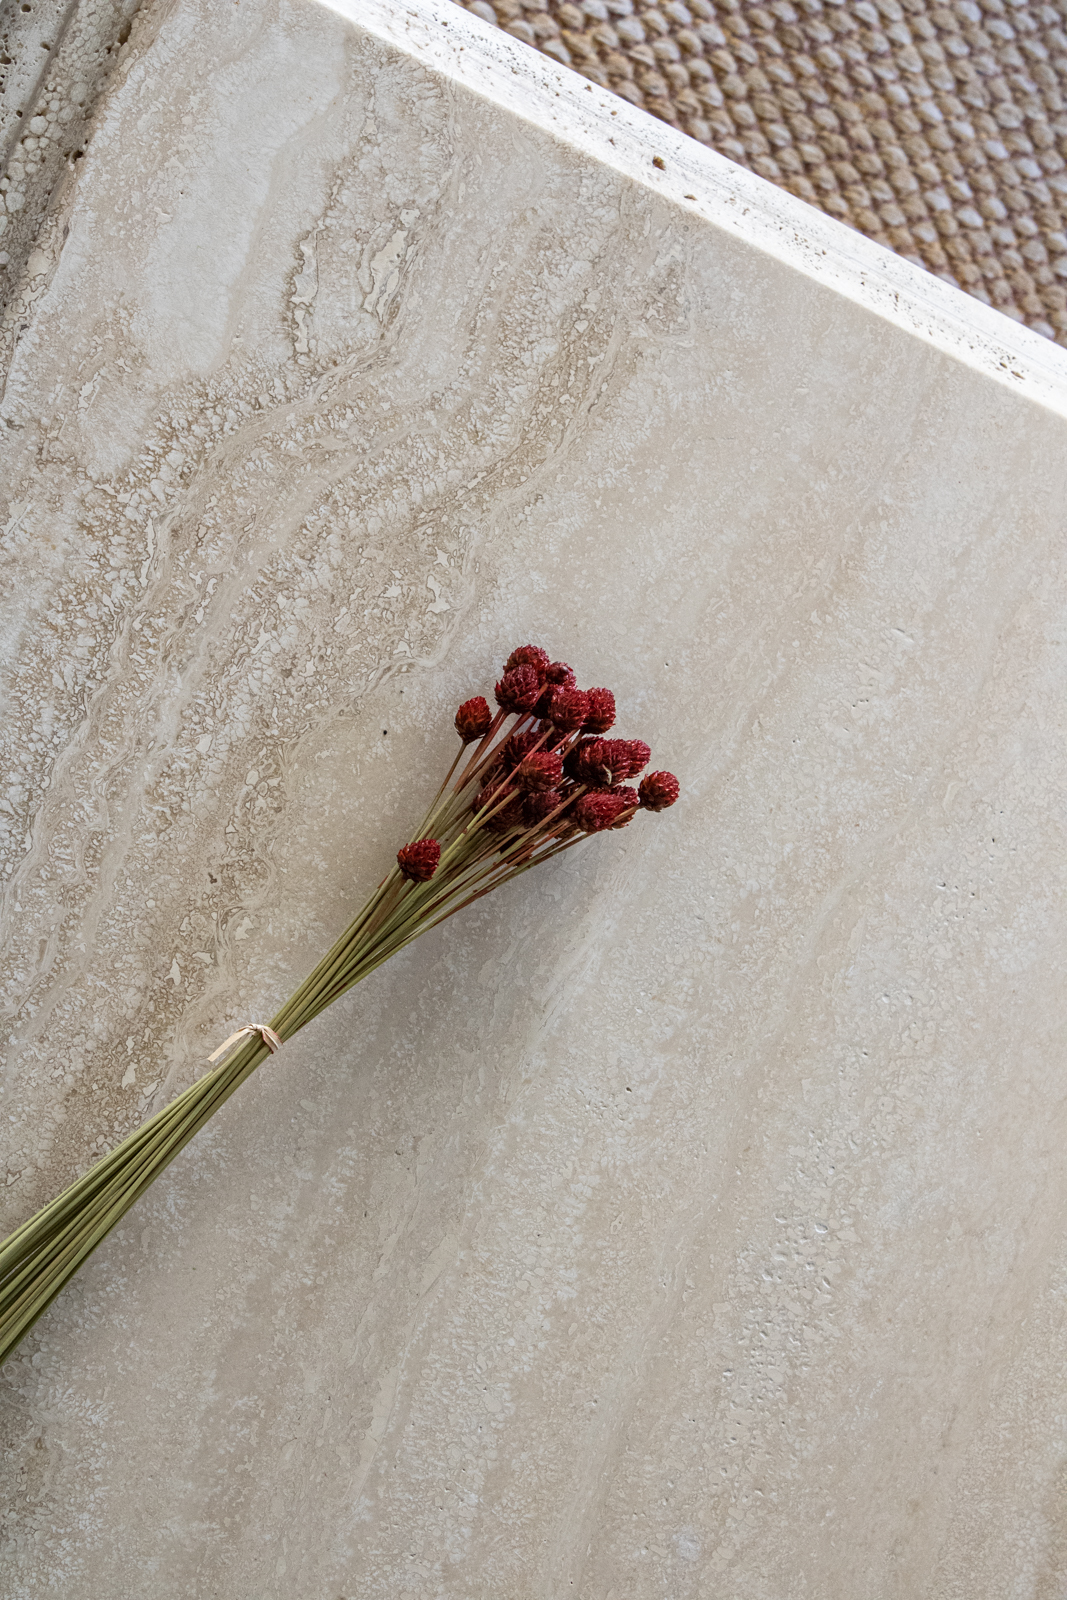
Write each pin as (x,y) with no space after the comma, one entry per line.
(588,762)
(602,762)
(631,801)
(596,811)
(518,689)
(509,816)
(514,749)
(568,709)
(626,757)
(539,805)
(473,719)
(419,861)
(601,711)
(541,770)
(658,791)
(528,655)
(557,676)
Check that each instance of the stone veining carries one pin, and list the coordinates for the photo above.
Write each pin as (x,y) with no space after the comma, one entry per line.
(643,1234)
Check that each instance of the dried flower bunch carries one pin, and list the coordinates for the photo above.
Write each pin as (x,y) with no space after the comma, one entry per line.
(529,781)
(542,777)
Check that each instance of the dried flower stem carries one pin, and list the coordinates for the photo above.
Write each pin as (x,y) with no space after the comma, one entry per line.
(471,840)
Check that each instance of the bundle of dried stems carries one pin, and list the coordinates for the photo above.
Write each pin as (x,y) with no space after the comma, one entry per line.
(528,782)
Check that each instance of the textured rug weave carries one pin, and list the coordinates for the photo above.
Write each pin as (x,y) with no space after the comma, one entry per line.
(938,130)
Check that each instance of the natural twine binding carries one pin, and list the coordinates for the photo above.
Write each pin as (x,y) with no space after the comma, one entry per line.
(270,1039)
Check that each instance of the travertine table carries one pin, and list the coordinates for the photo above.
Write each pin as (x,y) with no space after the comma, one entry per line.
(688,1221)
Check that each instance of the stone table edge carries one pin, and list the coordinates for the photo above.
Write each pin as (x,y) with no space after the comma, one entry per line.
(606,128)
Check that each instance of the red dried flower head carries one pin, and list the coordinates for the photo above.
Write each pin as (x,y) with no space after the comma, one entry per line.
(601,711)
(518,689)
(509,816)
(515,748)
(528,655)
(596,811)
(419,861)
(473,719)
(631,801)
(557,676)
(628,756)
(541,770)
(658,791)
(539,805)
(587,762)
(568,709)
(602,762)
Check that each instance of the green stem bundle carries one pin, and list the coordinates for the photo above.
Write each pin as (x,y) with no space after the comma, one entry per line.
(480,836)
(40,1256)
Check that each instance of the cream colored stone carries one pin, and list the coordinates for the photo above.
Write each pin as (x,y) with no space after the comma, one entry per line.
(687,1220)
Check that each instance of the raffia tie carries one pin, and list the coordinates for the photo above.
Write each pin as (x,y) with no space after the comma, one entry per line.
(270,1039)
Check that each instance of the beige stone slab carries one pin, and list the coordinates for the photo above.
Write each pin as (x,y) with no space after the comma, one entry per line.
(687,1221)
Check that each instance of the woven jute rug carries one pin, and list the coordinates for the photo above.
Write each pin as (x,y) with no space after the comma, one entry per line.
(938,130)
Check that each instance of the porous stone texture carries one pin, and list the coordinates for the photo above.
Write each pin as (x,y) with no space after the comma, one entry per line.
(687,1219)
(56,58)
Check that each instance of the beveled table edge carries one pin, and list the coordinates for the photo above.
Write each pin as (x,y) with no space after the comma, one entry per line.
(606,128)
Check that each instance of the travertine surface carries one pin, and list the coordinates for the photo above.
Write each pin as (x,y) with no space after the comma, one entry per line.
(56,57)
(689,1220)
